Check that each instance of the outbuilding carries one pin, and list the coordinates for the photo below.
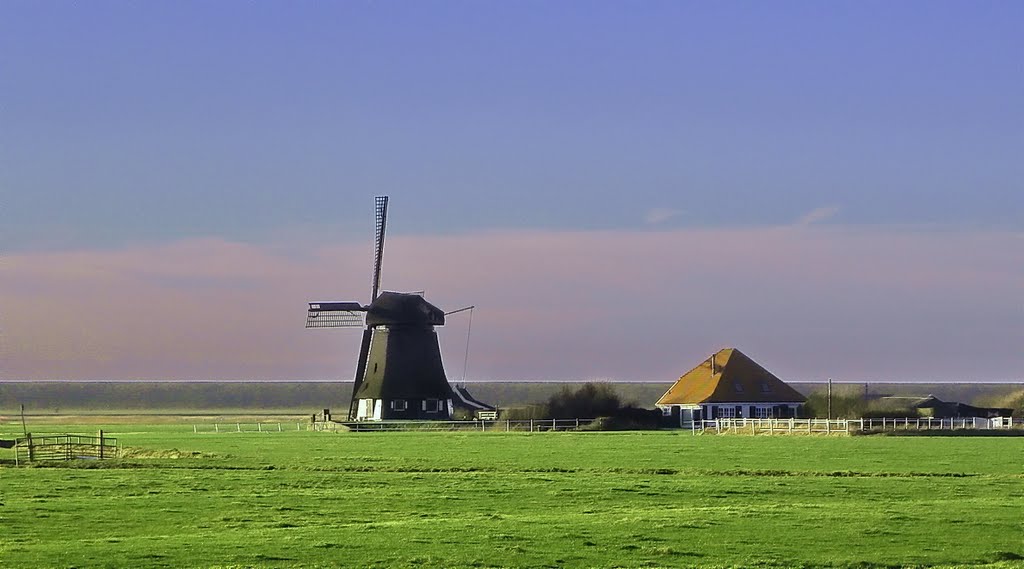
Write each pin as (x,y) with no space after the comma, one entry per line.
(729,385)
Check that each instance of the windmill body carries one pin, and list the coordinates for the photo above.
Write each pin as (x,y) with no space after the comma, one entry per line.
(404,377)
(399,374)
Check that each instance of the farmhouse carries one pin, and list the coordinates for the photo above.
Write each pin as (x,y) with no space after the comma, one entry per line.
(729,385)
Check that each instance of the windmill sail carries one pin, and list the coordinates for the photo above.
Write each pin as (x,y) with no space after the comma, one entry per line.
(335,315)
(378,250)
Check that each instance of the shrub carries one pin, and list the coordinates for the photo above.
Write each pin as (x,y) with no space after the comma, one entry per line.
(844,406)
(525,413)
(590,400)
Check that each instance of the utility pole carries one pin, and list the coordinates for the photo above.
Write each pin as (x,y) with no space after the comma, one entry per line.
(830,399)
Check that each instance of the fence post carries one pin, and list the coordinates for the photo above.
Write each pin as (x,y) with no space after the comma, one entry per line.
(828,426)
(531,425)
(101,444)
(238,427)
(508,425)
(259,426)
(216,428)
(31,447)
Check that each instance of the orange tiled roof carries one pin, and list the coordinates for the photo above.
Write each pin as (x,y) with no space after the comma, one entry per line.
(735,378)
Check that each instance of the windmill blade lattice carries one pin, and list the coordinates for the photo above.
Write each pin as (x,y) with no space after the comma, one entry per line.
(335,315)
(381,203)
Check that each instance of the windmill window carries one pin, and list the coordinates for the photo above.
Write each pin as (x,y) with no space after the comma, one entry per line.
(399,404)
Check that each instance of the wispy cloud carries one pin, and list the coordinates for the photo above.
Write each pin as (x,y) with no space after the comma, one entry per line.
(851,303)
(661,215)
(817,215)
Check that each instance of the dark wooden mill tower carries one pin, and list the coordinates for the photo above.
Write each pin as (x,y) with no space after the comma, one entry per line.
(399,374)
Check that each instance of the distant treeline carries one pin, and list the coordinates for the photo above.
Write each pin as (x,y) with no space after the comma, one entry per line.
(307,397)
(300,397)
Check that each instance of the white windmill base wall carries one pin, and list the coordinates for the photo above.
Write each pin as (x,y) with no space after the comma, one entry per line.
(406,409)
(370,410)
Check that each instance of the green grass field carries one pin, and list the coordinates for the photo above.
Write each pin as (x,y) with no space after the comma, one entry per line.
(655,499)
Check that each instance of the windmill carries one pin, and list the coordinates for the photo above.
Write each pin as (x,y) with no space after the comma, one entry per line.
(399,374)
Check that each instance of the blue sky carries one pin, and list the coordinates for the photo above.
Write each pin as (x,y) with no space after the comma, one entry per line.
(129,126)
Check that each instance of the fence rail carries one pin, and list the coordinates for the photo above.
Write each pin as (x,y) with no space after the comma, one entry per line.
(504,425)
(838,426)
(64,447)
(531,426)
(720,426)
(258,427)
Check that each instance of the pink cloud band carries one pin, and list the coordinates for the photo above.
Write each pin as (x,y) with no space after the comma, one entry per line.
(808,302)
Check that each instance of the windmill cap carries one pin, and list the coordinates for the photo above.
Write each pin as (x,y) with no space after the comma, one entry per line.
(392,308)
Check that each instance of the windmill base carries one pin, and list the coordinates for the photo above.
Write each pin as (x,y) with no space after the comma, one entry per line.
(404,410)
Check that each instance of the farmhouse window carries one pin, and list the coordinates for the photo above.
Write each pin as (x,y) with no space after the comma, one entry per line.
(431,405)
(399,404)
(726,412)
(762,412)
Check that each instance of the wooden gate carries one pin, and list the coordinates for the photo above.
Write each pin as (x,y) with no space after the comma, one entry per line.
(64,447)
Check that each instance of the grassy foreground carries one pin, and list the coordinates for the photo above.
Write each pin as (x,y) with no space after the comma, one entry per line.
(284,499)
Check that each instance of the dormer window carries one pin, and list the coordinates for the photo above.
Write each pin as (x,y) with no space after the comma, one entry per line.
(737,386)
(765,387)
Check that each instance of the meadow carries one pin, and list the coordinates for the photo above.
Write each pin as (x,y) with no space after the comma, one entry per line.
(631,499)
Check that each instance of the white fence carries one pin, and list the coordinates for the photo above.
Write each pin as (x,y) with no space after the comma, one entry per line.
(830,426)
(530,426)
(717,426)
(259,427)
